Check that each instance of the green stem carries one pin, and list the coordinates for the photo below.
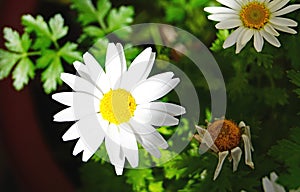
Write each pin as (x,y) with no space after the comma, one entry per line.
(34,53)
(102,24)
(55,44)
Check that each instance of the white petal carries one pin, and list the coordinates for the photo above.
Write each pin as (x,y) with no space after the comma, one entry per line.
(285,29)
(72,133)
(147,132)
(247,35)
(230,3)
(96,72)
(267,185)
(232,38)
(152,89)
(221,17)
(129,146)
(229,24)
(113,146)
(236,155)
(270,38)
(219,10)
(65,98)
(119,170)
(258,41)
(140,128)
(139,69)
(273,176)
(287,10)
(69,98)
(87,154)
(239,45)
(93,66)
(156,118)
(82,70)
(82,105)
(78,147)
(91,132)
(65,115)
(156,139)
(169,108)
(151,148)
(113,65)
(81,85)
(283,22)
(122,57)
(248,133)
(270,29)
(248,158)
(277,4)
(222,156)
(207,143)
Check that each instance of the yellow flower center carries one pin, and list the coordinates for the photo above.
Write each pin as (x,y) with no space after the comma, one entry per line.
(117,106)
(255,15)
(225,133)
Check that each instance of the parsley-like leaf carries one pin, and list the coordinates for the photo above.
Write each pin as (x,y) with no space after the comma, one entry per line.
(51,76)
(22,73)
(57,27)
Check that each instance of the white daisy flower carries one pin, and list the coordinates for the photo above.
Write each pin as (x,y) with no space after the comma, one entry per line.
(260,19)
(117,106)
(224,138)
(270,185)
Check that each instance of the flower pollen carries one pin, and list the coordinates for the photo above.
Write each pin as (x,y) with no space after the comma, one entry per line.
(117,106)
(255,15)
(225,133)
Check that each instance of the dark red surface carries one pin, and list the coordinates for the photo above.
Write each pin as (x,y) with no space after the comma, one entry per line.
(25,149)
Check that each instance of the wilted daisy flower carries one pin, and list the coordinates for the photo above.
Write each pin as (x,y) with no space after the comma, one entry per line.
(117,106)
(224,138)
(271,185)
(260,19)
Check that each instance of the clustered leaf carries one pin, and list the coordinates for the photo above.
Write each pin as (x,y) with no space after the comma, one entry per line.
(102,19)
(43,52)
(16,56)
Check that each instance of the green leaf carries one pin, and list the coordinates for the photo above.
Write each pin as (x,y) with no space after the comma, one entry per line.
(217,45)
(7,61)
(94,31)
(175,14)
(22,73)
(37,25)
(25,42)
(103,6)
(156,186)
(274,96)
(13,41)
(51,76)
(295,77)
(56,25)
(40,27)
(46,57)
(138,178)
(68,52)
(86,10)
(287,151)
(120,18)
(41,43)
